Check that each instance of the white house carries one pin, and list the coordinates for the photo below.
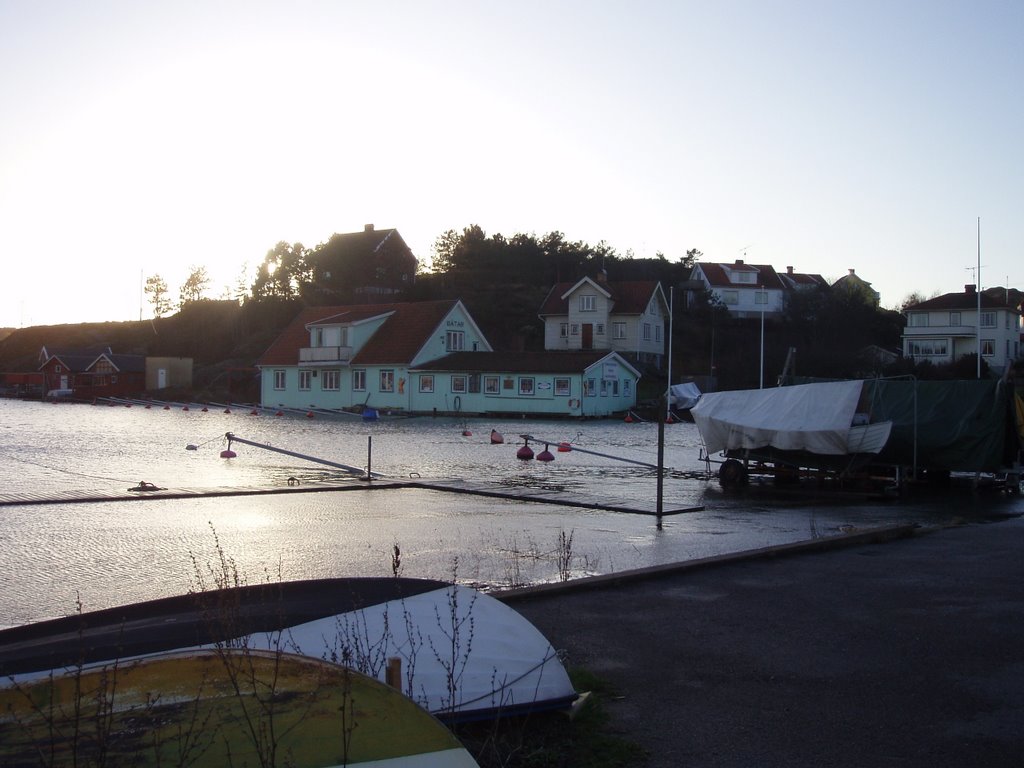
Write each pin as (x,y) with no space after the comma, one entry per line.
(593,314)
(946,328)
(746,290)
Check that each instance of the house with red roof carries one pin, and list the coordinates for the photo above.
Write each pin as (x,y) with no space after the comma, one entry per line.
(947,327)
(431,357)
(593,314)
(85,374)
(746,290)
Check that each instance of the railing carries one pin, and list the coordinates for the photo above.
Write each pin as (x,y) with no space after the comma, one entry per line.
(325,354)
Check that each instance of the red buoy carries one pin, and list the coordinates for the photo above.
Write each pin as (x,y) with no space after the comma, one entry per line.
(564,447)
(467,433)
(279,413)
(184,407)
(228,454)
(496,437)
(167,407)
(309,414)
(227,410)
(525,452)
(148,406)
(205,409)
(629,418)
(254,412)
(545,455)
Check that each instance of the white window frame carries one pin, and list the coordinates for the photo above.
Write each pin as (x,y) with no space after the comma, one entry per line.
(527,386)
(563,386)
(620,329)
(455,341)
(330,380)
(305,380)
(563,330)
(460,384)
(588,302)
(426,383)
(492,385)
(387,380)
(988,319)
(280,379)
(358,379)
(988,347)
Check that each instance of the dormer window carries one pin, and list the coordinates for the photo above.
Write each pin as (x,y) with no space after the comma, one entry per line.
(587,302)
(748,278)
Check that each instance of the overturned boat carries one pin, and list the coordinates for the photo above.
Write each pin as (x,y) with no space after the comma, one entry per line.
(889,429)
(458,653)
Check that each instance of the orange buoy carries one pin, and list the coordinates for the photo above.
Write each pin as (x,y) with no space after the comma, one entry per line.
(309,414)
(496,437)
(564,447)
(467,433)
(279,413)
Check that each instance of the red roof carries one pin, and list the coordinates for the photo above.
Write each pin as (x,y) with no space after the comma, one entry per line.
(628,297)
(767,277)
(966,300)
(396,342)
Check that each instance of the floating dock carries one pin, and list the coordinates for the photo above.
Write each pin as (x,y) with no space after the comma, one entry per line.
(491,490)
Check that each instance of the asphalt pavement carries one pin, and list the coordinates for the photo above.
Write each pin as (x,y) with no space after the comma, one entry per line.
(902,650)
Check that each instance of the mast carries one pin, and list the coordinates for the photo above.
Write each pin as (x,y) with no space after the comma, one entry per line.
(978,292)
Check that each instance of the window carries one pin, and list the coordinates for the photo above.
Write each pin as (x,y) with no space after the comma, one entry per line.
(574,329)
(455,341)
(627,388)
(563,330)
(426,383)
(305,380)
(928,348)
(657,333)
(730,297)
(358,380)
(604,388)
(387,380)
(761,297)
(330,380)
(474,383)
(458,384)
(954,318)
(589,388)
(279,379)
(563,388)
(988,347)
(490,385)
(744,277)
(620,330)
(615,387)
(508,383)
(587,302)
(57,369)
(318,337)
(647,331)
(988,319)
(525,385)
(599,329)
(918,319)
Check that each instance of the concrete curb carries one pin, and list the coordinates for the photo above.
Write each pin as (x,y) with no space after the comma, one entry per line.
(871,536)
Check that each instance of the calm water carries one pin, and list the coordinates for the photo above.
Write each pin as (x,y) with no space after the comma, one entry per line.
(113,553)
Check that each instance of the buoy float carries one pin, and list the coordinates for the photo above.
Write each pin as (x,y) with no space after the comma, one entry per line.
(564,447)
(191,447)
(127,405)
(545,455)
(629,418)
(254,412)
(227,410)
(167,407)
(205,409)
(184,407)
(111,404)
(309,414)
(496,437)
(525,452)
(467,433)
(228,454)
(279,413)
(148,406)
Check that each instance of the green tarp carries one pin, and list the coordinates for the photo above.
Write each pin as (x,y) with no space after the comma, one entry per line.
(966,426)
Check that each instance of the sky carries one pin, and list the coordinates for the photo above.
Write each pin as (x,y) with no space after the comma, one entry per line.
(141,139)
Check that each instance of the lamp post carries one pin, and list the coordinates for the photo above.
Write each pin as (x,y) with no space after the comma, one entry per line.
(764,301)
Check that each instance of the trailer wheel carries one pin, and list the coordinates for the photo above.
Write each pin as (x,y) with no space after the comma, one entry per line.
(732,474)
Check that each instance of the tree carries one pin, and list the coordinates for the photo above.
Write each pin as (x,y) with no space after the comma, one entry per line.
(194,286)
(284,273)
(156,289)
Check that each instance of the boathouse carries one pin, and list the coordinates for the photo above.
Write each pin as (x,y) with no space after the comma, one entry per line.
(431,357)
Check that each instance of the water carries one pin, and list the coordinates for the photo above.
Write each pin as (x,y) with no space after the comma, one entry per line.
(54,556)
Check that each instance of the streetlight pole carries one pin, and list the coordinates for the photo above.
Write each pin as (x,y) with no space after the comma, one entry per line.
(764,300)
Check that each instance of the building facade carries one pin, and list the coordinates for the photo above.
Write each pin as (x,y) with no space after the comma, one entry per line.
(948,327)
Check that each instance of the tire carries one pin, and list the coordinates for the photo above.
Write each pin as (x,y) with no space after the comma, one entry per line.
(732,474)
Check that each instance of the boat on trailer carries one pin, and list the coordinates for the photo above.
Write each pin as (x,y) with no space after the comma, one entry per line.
(887,431)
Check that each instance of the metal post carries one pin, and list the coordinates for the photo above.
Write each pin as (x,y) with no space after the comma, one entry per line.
(764,296)
(369,457)
(661,462)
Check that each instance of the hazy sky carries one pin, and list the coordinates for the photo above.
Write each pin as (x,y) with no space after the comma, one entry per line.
(141,138)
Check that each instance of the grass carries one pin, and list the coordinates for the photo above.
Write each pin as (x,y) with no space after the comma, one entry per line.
(554,740)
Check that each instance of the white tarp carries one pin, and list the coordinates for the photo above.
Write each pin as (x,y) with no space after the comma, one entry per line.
(806,417)
(684,395)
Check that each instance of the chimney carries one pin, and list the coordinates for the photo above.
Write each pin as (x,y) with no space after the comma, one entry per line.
(739,262)
(789,270)
(602,277)
(969,289)
(851,272)
(368,228)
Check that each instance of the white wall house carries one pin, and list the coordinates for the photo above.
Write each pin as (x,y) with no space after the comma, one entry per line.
(746,290)
(629,317)
(946,328)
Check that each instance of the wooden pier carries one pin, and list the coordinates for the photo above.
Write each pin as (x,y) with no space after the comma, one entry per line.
(491,490)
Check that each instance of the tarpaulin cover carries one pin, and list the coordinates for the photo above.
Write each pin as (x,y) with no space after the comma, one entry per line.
(684,395)
(965,426)
(805,417)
